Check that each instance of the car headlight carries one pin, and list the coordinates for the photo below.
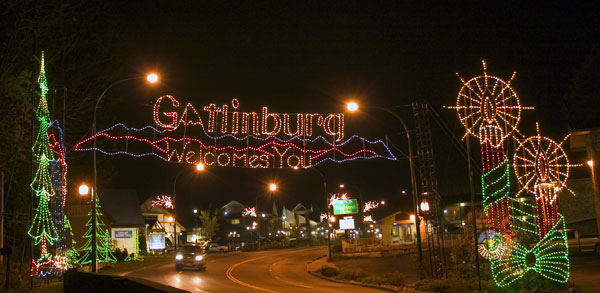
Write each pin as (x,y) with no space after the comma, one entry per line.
(198,257)
(179,257)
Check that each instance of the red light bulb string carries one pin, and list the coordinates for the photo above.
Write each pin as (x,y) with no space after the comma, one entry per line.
(498,212)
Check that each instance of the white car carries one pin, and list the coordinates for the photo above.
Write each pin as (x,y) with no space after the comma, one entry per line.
(214,247)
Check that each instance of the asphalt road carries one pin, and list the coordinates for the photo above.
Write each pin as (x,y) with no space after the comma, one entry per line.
(262,271)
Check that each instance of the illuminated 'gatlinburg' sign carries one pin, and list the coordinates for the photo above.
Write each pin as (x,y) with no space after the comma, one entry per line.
(224,136)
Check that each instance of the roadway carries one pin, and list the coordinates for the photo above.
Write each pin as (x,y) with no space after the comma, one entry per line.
(260,271)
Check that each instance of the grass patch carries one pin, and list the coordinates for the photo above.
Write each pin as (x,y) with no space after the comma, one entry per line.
(127,266)
(54,287)
(446,285)
(352,274)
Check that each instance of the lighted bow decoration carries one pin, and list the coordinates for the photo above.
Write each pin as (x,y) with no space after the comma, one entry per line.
(369,205)
(335,197)
(163,201)
(324,216)
(489,109)
(549,258)
(249,212)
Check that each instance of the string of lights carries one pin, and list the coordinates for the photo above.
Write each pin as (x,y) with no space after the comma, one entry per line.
(489,109)
(294,152)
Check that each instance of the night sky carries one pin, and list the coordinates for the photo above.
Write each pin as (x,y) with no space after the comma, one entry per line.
(313,56)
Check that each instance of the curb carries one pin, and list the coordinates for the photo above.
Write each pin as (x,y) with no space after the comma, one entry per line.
(372,286)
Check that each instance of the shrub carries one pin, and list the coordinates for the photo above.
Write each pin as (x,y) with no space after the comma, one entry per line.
(353,274)
(446,285)
(394,278)
(328,271)
(373,279)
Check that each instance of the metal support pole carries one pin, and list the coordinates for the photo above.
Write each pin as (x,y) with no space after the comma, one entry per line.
(95,186)
(474,211)
(413,182)
(257,222)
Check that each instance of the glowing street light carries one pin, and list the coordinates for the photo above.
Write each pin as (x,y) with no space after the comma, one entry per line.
(200,167)
(170,219)
(352,106)
(152,78)
(425,206)
(342,185)
(84,189)
(272,187)
(590,163)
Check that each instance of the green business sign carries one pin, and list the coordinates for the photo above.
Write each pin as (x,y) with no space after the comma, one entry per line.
(345,206)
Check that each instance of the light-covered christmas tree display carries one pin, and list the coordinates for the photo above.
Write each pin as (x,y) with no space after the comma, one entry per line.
(104,251)
(42,230)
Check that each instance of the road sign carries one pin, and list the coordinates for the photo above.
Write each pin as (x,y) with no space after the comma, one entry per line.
(345,207)
(157,240)
(347,224)
(123,234)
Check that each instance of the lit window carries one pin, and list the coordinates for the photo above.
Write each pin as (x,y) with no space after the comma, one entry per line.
(235,221)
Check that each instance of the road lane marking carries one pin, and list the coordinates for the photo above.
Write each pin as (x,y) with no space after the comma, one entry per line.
(279,278)
(237,281)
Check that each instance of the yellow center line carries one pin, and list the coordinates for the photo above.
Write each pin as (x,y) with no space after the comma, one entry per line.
(230,276)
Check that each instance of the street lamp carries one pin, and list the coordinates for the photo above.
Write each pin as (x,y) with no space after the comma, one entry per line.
(590,163)
(326,206)
(151,78)
(353,107)
(199,168)
(272,188)
(425,206)
(84,189)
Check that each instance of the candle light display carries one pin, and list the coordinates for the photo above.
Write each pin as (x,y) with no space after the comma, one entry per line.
(542,168)
(489,109)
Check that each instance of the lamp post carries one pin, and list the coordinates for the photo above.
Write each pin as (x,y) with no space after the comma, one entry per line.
(326,206)
(272,188)
(199,168)
(352,107)
(151,78)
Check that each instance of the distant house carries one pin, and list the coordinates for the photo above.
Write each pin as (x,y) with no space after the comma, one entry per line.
(295,223)
(232,225)
(124,217)
(160,222)
(397,228)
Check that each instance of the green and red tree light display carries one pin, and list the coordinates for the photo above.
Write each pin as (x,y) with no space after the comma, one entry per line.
(49,230)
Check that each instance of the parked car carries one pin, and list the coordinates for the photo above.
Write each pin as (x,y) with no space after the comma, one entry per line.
(190,255)
(215,247)
(582,243)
